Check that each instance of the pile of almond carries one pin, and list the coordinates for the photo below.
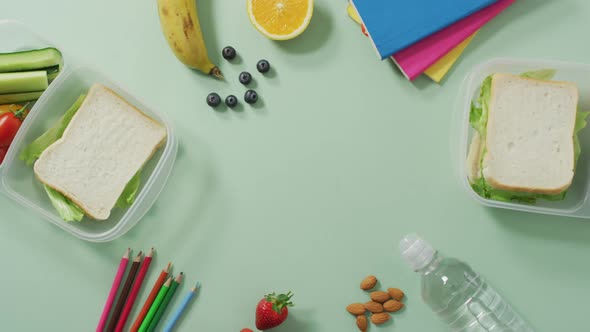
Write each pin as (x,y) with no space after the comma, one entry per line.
(381,306)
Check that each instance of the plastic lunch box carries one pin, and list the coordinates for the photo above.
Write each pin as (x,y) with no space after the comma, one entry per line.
(576,203)
(17,180)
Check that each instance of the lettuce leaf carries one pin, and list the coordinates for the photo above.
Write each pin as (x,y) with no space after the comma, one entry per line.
(580,124)
(478,120)
(33,151)
(130,192)
(478,117)
(543,74)
(66,209)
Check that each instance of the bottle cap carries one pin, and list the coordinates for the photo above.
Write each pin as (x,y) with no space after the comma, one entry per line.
(417,252)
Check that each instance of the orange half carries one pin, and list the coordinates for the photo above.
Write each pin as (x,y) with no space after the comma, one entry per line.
(280,19)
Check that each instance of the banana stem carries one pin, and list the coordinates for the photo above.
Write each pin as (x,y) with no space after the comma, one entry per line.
(215,72)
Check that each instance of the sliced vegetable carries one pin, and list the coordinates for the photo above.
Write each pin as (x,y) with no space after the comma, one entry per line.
(46,59)
(29,81)
(34,150)
(66,209)
(19,97)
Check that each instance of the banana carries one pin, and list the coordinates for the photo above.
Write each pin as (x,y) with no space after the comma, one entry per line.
(180,24)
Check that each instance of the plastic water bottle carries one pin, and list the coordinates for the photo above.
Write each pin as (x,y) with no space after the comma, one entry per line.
(458,295)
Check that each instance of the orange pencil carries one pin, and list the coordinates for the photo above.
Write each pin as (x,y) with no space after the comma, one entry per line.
(151,297)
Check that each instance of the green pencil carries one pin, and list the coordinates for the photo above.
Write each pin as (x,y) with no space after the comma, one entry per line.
(150,315)
(165,303)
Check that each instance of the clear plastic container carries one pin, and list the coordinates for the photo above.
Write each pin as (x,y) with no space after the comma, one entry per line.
(17,180)
(576,203)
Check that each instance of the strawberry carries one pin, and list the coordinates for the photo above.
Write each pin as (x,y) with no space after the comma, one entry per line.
(246,330)
(272,310)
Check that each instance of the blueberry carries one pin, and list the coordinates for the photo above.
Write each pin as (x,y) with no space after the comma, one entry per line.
(213,99)
(231,101)
(229,53)
(263,66)
(245,78)
(251,97)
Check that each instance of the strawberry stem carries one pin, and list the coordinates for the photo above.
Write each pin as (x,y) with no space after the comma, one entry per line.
(280,301)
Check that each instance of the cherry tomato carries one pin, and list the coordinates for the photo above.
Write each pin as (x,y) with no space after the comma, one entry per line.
(9,126)
(3,151)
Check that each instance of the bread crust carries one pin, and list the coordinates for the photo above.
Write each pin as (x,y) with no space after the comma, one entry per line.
(95,87)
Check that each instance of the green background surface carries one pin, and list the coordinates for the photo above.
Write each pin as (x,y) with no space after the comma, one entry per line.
(310,190)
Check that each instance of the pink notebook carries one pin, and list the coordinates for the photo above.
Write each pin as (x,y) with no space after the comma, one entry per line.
(414,60)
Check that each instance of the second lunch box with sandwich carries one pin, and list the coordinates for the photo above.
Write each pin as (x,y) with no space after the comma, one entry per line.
(534,154)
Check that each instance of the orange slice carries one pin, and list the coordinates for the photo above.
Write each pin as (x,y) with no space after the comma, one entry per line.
(280,19)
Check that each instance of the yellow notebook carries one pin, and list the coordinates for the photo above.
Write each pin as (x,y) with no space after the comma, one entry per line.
(438,70)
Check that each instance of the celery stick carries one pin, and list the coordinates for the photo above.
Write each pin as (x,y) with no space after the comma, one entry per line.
(29,81)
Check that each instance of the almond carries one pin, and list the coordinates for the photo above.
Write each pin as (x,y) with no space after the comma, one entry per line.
(396,293)
(379,296)
(356,309)
(391,306)
(379,318)
(368,283)
(374,307)
(362,323)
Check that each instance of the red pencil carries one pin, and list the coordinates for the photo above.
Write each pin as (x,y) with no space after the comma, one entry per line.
(150,299)
(113,293)
(134,291)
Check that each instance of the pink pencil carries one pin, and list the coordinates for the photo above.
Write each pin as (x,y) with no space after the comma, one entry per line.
(113,293)
(134,291)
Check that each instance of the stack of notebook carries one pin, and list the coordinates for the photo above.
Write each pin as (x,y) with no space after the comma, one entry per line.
(423,36)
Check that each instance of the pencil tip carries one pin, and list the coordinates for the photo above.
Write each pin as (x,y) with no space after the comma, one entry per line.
(198,285)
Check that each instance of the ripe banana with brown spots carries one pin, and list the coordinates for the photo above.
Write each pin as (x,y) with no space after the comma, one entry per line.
(180,23)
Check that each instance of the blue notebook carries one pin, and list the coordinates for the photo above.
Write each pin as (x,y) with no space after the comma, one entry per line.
(393,25)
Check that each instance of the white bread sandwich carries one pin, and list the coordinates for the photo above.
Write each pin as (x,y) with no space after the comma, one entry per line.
(525,146)
(103,147)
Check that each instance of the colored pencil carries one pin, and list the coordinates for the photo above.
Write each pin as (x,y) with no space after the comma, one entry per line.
(151,297)
(113,293)
(145,265)
(165,303)
(181,308)
(154,307)
(124,292)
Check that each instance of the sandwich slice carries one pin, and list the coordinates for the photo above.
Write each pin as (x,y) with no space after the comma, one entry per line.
(102,149)
(525,144)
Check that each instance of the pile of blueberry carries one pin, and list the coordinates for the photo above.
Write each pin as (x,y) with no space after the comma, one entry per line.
(250,97)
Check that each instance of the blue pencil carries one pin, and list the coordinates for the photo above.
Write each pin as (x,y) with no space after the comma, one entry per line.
(181,308)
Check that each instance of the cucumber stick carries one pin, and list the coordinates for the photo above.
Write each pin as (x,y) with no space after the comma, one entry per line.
(12,98)
(47,59)
(27,81)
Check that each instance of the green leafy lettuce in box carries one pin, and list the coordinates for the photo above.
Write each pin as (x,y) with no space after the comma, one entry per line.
(510,174)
